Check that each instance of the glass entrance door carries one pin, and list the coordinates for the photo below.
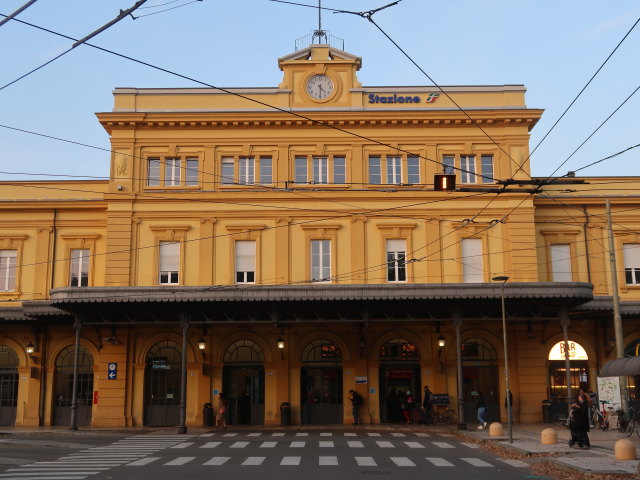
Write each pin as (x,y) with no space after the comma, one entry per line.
(244,388)
(64,387)
(322,395)
(162,385)
(395,382)
(8,385)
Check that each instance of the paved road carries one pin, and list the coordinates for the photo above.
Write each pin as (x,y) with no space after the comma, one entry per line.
(273,454)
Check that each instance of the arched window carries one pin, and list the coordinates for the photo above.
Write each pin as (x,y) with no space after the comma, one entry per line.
(399,350)
(579,373)
(478,350)
(632,349)
(8,358)
(166,352)
(66,358)
(321,351)
(244,351)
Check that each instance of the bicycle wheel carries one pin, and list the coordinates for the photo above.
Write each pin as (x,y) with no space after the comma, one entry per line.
(450,416)
(631,426)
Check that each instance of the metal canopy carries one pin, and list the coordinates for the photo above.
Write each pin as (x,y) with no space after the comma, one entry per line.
(619,367)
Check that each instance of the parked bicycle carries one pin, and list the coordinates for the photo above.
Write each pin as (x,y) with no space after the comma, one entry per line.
(599,418)
(444,415)
(633,423)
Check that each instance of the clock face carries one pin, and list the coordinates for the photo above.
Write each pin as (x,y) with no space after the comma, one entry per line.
(320,86)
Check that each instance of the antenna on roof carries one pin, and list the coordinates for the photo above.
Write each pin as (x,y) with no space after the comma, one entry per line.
(320,33)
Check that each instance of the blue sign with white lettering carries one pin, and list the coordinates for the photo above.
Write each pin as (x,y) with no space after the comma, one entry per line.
(112,373)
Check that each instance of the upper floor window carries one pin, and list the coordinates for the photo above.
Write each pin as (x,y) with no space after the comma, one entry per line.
(79,268)
(561,263)
(176,172)
(247,170)
(8,270)
(472,269)
(245,261)
(398,170)
(469,166)
(320,169)
(396,267)
(632,263)
(320,260)
(169,263)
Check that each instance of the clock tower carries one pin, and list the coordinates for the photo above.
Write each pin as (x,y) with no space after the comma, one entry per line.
(321,76)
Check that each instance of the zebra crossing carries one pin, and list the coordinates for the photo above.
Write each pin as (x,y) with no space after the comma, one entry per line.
(311,449)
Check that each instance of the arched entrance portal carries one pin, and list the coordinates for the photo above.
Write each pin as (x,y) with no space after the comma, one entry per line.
(243,383)
(480,374)
(64,386)
(162,385)
(399,373)
(8,385)
(558,372)
(321,383)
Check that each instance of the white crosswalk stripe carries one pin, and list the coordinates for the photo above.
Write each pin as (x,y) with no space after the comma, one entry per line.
(402,462)
(211,445)
(414,445)
(277,434)
(291,461)
(514,462)
(440,462)
(239,445)
(366,462)
(180,461)
(326,434)
(374,434)
(397,434)
(254,434)
(325,444)
(207,435)
(328,460)
(217,461)
(476,462)
(385,444)
(297,444)
(422,434)
(302,434)
(142,462)
(254,461)
(355,444)
(443,445)
(470,445)
(446,435)
(230,435)
(350,434)
(268,444)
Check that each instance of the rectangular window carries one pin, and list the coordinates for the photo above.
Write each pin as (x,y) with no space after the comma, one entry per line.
(448,165)
(487,168)
(632,263)
(245,261)
(339,170)
(191,175)
(246,171)
(172,172)
(396,253)
(561,263)
(394,170)
(8,270)
(320,260)
(413,170)
(169,263)
(266,170)
(472,260)
(228,171)
(79,268)
(301,170)
(468,169)
(153,172)
(320,170)
(375,176)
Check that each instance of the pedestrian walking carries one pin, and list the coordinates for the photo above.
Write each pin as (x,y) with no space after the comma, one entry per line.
(481,405)
(221,418)
(408,407)
(356,402)
(427,405)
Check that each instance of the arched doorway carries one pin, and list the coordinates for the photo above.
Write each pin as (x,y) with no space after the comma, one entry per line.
(399,373)
(558,372)
(8,385)
(243,383)
(162,385)
(321,383)
(480,374)
(63,389)
(633,382)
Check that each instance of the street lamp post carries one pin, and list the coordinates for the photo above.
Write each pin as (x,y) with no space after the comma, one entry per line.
(504,279)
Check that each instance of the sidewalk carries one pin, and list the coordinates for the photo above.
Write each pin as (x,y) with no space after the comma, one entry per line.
(599,459)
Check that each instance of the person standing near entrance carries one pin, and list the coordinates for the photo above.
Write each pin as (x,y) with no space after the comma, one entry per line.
(481,405)
(356,401)
(427,405)
(221,418)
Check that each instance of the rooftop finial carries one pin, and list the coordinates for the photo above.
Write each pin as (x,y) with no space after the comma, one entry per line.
(320,33)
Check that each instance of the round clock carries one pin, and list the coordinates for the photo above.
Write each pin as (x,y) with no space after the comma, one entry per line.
(319,87)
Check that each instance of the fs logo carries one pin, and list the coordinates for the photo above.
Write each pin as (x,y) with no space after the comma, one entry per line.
(432,97)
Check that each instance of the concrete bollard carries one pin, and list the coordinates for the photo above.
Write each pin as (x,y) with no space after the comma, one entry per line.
(549,436)
(496,429)
(625,449)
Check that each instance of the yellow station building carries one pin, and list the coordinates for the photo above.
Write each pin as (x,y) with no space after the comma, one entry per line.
(285,244)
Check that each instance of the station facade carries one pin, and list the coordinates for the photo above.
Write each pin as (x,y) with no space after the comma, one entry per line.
(284,245)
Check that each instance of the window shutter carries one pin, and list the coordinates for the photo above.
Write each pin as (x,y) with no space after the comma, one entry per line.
(169,256)
(472,260)
(631,255)
(397,245)
(561,263)
(245,256)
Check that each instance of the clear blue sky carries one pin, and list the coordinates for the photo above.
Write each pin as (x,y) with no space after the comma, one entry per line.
(552,47)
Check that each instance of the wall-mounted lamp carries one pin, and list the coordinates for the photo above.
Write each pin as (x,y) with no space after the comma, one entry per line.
(202,343)
(30,348)
(280,343)
(441,340)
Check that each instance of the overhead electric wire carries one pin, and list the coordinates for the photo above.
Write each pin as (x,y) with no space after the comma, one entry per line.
(17,12)
(166,9)
(121,15)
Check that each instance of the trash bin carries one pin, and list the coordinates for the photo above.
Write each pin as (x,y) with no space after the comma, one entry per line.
(547,415)
(285,414)
(207,415)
